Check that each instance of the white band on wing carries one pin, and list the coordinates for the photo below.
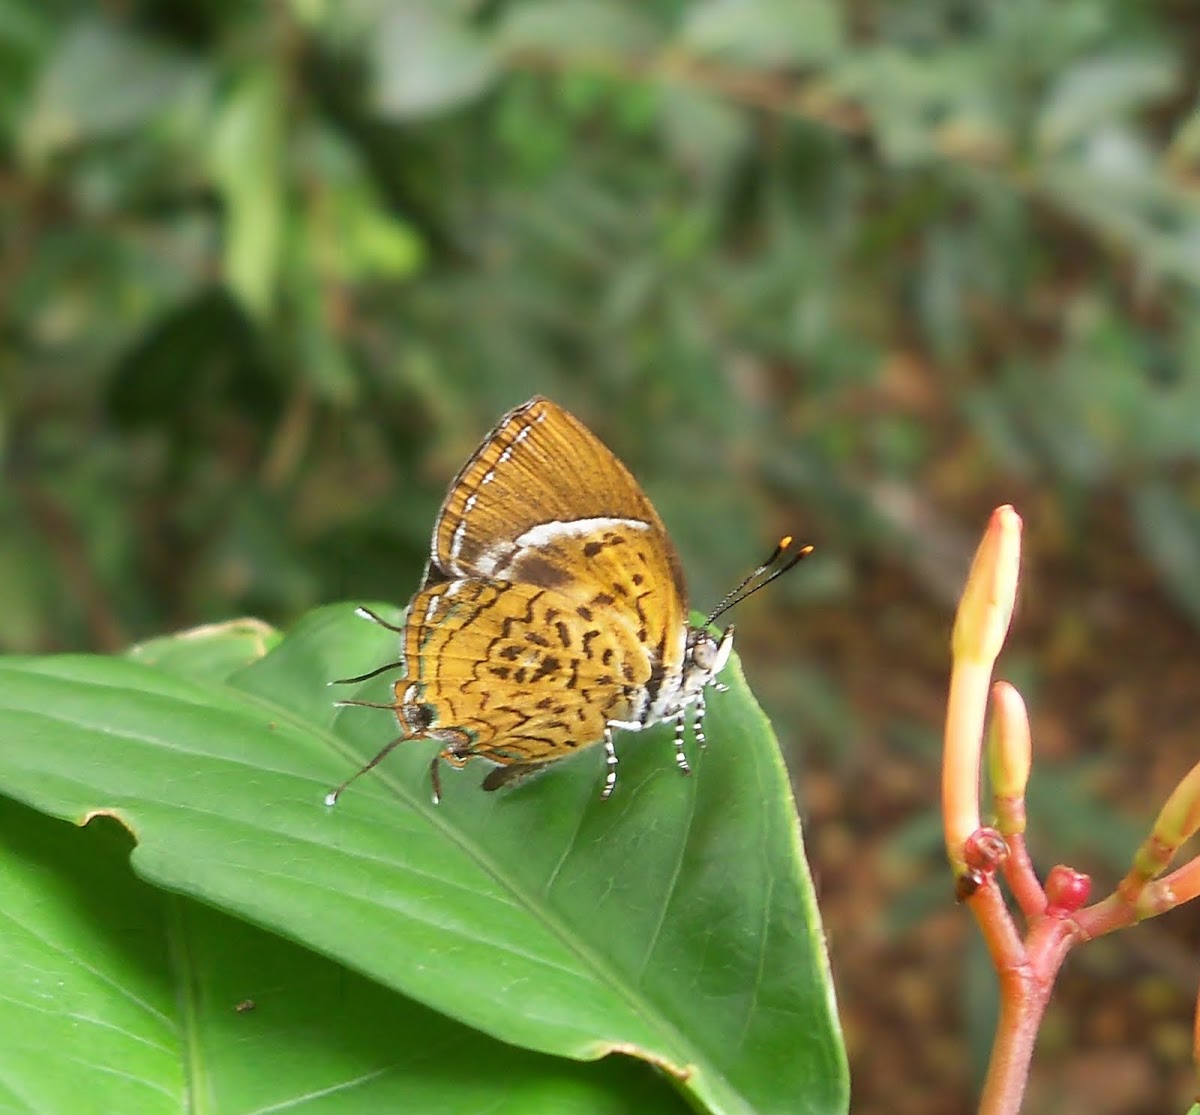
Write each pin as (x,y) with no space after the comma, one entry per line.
(544,534)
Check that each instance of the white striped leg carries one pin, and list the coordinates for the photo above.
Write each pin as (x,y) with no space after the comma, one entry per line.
(610,757)
(698,722)
(680,753)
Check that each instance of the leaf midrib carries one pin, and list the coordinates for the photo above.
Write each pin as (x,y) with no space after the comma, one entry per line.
(591,961)
(537,909)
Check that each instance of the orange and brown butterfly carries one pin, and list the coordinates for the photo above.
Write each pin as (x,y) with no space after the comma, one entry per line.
(552,611)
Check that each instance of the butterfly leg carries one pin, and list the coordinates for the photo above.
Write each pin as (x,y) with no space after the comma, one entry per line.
(698,721)
(456,753)
(610,757)
(680,754)
(333,795)
(435,771)
(435,778)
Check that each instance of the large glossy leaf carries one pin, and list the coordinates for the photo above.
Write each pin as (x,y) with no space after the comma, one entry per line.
(120,998)
(675,922)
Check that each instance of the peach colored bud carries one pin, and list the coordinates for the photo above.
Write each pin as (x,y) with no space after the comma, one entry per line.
(1010,751)
(1180,817)
(987,602)
(979,629)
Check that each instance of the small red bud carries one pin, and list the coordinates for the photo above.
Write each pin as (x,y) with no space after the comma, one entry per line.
(985,850)
(1066,890)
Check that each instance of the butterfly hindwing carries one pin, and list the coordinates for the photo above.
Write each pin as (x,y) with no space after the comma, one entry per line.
(514,668)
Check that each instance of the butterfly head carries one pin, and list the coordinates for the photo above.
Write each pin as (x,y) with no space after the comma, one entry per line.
(704,658)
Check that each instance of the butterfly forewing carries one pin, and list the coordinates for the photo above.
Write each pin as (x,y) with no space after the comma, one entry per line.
(539,470)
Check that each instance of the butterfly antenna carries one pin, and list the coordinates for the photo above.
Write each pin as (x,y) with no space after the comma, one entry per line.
(368,675)
(748,588)
(375,617)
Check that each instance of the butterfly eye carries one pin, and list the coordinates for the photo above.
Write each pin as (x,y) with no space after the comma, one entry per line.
(704,652)
(419,718)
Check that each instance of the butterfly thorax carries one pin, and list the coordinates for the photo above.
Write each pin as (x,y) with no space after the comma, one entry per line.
(704,657)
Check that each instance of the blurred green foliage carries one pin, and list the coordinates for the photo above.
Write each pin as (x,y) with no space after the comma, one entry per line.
(270,270)
(857,271)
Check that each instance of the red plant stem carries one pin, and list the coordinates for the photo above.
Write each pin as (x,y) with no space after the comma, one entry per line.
(1027,973)
(1182,885)
(1000,935)
(1021,1012)
(1022,879)
(1113,912)
(1127,906)
(1137,898)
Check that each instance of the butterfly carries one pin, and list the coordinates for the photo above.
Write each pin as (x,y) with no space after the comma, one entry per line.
(552,612)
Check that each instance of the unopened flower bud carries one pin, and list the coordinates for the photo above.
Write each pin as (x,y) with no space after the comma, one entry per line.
(1066,890)
(987,601)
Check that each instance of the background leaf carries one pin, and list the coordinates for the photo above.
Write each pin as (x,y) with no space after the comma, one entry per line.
(1095,92)
(426,61)
(103,80)
(247,153)
(581,25)
(764,32)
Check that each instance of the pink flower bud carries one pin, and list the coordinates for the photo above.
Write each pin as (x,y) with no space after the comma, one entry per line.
(1066,890)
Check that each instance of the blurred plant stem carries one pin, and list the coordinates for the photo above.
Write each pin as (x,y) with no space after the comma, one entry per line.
(1054,915)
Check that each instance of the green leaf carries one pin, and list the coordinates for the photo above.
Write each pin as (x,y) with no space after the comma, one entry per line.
(764,32)
(353,234)
(210,653)
(1099,91)
(103,80)
(247,164)
(675,922)
(589,26)
(1184,147)
(122,998)
(426,61)
(703,131)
